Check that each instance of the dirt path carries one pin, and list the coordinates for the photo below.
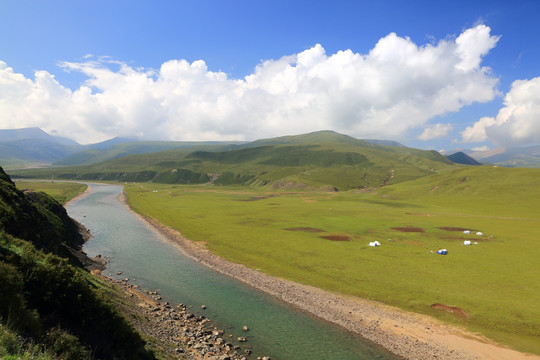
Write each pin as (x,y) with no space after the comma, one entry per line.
(409,335)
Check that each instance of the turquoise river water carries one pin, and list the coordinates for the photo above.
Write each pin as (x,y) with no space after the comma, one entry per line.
(275,328)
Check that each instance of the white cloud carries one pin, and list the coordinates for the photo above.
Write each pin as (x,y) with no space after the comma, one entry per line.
(398,86)
(435,132)
(477,132)
(517,123)
(473,44)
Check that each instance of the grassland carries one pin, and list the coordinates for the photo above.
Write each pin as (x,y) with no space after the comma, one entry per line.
(60,191)
(321,239)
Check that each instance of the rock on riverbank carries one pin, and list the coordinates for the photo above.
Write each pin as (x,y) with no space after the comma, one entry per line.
(174,329)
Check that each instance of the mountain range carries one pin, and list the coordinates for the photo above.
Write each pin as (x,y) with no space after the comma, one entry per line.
(33,147)
(318,160)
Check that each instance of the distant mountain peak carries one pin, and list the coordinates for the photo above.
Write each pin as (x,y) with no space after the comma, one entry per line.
(461,158)
(23,133)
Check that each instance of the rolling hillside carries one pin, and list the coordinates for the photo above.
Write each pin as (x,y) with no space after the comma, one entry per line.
(323,159)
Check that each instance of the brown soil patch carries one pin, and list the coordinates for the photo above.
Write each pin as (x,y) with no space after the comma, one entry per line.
(451,309)
(336,237)
(408,229)
(255,198)
(450,228)
(305,229)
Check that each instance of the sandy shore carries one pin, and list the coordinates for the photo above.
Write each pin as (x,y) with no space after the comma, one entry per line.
(409,335)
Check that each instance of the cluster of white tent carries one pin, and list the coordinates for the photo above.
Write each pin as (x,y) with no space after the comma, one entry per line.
(441,251)
(468,242)
(479,233)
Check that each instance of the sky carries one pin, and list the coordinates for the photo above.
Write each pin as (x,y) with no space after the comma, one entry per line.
(430,74)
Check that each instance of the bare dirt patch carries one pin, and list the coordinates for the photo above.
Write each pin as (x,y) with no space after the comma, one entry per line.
(256,198)
(408,229)
(451,309)
(451,228)
(336,237)
(305,229)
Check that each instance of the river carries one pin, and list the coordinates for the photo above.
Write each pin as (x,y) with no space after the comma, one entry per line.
(149,261)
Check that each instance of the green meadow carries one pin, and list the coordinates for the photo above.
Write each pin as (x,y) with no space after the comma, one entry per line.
(321,239)
(60,191)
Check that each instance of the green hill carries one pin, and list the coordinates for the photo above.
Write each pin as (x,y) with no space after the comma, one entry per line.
(461,158)
(322,159)
(50,307)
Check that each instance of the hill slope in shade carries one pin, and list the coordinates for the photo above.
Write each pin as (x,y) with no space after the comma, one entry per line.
(7,135)
(116,149)
(30,146)
(462,158)
(322,159)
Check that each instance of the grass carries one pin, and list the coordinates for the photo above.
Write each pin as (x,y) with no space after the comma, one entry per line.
(60,191)
(494,282)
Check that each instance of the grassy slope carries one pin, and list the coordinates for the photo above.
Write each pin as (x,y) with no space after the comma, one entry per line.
(494,281)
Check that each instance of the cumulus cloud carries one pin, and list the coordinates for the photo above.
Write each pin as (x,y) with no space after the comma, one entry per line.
(436,131)
(395,88)
(517,123)
(477,132)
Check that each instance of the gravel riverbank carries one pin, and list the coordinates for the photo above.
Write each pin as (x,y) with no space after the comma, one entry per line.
(174,330)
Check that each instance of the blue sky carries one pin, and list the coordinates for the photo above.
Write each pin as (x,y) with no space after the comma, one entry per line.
(431,74)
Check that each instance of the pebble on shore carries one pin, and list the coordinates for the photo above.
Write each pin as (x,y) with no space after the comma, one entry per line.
(182,332)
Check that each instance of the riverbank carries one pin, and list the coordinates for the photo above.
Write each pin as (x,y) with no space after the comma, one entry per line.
(406,334)
(173,331)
